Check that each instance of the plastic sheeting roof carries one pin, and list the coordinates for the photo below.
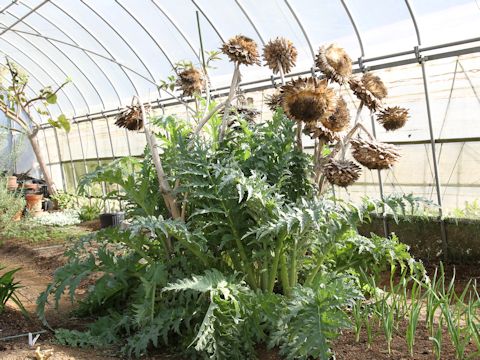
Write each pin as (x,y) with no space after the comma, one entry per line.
(113,49)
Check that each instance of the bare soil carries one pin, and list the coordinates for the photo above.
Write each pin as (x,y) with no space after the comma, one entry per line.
(346,348)
(39,262)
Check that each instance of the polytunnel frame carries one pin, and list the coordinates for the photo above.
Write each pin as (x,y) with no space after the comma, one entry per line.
(417,52)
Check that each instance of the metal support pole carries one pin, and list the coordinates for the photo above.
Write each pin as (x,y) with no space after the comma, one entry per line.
(48,151)
(83,157)
(113,152)
(64,185)
(386,229)
(74,175)
(443,232)
(104,191)
(300,25)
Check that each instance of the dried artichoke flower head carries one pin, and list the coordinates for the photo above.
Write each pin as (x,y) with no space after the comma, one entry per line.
(131,118)
(393,118)
(341,172)
(191,81)
(308,100)
(280,54)
(242,50)
(334,62)
(373,154)
(340,119)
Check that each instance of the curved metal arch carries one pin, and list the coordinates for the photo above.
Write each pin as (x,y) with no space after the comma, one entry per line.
(300,25)
(109,135)
(105,48)
(83,49)
(19,20)
(73,63)
(250,21)
(48,57)
(184,36)
(63,53)
(5,8)
(54,129)
(30,74)
(146,32)
(120,36)
(56,65)
(355,28)
(209,21)
(414,19)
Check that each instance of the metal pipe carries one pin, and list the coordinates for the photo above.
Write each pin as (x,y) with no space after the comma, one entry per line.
(83,49)
(152,78)
(104,191)
(380,183)
(30,74)
(48,151)
(209,21)
(435,164)
(449,44)
(354,24)
(174,24)
(300,25)
(147,32)
(23,17)
(106,50)
(74,175)
(242,9)
(14,2)
(414,19)
(41,67)
(60,159)
(22,335)
(247,86)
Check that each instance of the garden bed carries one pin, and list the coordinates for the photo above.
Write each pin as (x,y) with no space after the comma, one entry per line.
(36,273)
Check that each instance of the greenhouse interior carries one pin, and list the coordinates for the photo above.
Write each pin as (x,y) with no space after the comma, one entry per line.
(208,179)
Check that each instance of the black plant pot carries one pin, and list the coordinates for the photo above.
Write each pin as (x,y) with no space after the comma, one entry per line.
(111,219)
(47,205)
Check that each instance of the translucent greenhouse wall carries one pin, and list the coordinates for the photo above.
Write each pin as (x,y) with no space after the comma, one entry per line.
(113,49)
(454,88)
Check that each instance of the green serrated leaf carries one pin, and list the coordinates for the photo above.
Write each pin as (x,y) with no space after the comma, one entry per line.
(51,98)
(64,123)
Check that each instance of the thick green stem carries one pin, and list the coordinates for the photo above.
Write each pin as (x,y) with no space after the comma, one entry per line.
(276,260)
(313,274)
(265,278)
(284,275)
(293,266)
(247,267)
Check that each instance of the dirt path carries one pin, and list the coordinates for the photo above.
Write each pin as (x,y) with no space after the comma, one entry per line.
(37,267)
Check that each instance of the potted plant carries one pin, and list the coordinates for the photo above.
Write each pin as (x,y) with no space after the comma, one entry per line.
(12,184)
(34,202)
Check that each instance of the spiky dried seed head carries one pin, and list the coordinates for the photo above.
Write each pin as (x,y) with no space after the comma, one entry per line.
(341,172)
(280,53)
(373,154)
(191,81)
(364,95)
(131,118)
(340,118)
(334,62)
(393,118)
(317,131)
(241,49)
(274,101)
(375,85)
(308,100)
